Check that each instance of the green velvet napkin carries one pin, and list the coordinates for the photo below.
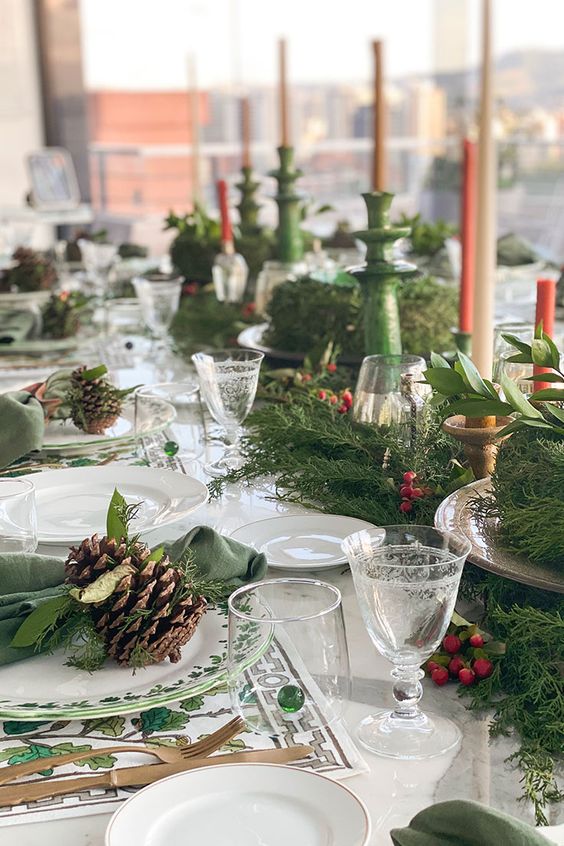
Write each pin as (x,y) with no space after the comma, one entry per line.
(26,580)
(17,325)
(22,426)
(464,823)
(220,557)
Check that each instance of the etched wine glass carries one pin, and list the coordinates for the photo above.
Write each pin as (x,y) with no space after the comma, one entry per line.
(287,660)
(159,298)
(406,580)
(228,385)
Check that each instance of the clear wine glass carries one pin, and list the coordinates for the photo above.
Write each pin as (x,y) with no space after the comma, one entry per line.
(406,580)
(159,298)
(18,516)
(288,663)
(228,385)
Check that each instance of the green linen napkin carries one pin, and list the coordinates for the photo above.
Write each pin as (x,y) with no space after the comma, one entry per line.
(220,557)
(17,325)
(464,823)
(21,426)
(27,580)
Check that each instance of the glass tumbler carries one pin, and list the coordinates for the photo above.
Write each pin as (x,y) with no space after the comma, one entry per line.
(228,384)
(406,580)
(18,516)
(287,655)
(389,392)
(183,433)
(159,298)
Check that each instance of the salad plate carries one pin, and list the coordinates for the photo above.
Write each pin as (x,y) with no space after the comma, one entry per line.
(72,504)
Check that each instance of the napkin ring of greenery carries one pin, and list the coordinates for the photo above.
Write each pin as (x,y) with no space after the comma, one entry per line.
(121,600)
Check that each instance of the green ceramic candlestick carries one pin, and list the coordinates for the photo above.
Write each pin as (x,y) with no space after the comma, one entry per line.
(289,237)
(248,206)
(380,276)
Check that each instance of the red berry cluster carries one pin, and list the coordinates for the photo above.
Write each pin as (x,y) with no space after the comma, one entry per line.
(342,400)
(248,309)
(410,491)
(465,656)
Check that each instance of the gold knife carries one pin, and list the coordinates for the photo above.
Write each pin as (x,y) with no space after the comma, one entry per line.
(141,775)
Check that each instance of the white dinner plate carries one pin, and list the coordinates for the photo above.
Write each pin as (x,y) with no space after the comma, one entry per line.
(63,436)
(242,805)
(44,688)
(301,542)
(72,504)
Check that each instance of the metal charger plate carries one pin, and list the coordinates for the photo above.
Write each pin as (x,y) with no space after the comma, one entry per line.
(455,514)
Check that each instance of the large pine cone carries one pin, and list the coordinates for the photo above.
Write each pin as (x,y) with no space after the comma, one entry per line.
(151,614)
(95,403)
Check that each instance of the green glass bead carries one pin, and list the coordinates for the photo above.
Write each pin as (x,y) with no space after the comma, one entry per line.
(291,698)
(171,448)
(247,695)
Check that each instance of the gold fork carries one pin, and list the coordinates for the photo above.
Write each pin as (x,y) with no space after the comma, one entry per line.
(167,754)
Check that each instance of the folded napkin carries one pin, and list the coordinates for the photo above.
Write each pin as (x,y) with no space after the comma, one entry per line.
(21,425)
(464,823)
(219,557)
(17,325)
(27,580)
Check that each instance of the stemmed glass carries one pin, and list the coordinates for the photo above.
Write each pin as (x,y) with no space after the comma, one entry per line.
(228,384)
(159,297)
(287,655)
(406,580)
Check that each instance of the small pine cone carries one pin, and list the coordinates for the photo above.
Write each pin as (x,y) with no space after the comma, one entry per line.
(146,619)
(95,403)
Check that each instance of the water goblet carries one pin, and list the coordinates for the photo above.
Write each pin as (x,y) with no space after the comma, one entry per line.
(184,432)
(18,516)
(287,655)
(406,580)
(159,298)
(228,384)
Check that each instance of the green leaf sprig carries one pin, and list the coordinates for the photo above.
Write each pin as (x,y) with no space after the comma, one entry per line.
(461,390)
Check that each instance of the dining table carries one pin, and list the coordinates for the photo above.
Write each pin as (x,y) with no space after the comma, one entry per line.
(393,790)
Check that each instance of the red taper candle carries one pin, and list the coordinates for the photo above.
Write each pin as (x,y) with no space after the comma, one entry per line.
(546,307)
(226,232)
(468,234)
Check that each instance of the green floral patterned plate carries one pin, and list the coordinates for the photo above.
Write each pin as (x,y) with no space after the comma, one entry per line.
(44,688)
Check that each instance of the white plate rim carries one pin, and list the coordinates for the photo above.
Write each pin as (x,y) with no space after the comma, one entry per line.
(362,524)
(110,470)
(157,785)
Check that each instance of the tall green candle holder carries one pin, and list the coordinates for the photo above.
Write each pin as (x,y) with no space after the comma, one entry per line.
(380,277)
(254,241)
(248,206)
(290,246)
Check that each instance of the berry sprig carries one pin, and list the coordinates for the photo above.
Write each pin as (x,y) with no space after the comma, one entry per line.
(467,655)
(410,491)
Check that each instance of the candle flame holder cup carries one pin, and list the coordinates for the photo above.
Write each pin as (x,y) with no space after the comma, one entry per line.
(481,444)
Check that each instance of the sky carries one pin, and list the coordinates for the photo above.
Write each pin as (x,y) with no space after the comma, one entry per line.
(144,44)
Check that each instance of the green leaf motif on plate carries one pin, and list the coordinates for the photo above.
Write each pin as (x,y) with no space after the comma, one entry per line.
(98,762)
(194,703)
(12,727)
(160,719)
(109,726)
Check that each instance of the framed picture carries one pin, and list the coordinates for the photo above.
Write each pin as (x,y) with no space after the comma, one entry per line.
(53,179)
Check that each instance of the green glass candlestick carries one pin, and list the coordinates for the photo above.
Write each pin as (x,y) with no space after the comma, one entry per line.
(248,206)
(380,276)
(289,237)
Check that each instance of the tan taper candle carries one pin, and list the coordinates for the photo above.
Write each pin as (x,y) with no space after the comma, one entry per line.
(379,127)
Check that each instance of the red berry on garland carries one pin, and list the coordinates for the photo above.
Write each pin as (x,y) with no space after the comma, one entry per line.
(333,399)
(466,676)
(440,676)
(322,395)
(405,506)
(306,377)
(406,491)
(331,367)
(482,667)
(476,641)
(432,665)
(455,665)
(452,644)
(342,409)
(416,493)
(409,476)
(347,399)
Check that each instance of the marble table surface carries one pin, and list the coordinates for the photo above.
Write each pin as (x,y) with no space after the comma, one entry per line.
(394,791)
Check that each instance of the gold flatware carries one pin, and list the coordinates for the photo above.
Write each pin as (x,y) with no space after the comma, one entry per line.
(137,776)
(167,754)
